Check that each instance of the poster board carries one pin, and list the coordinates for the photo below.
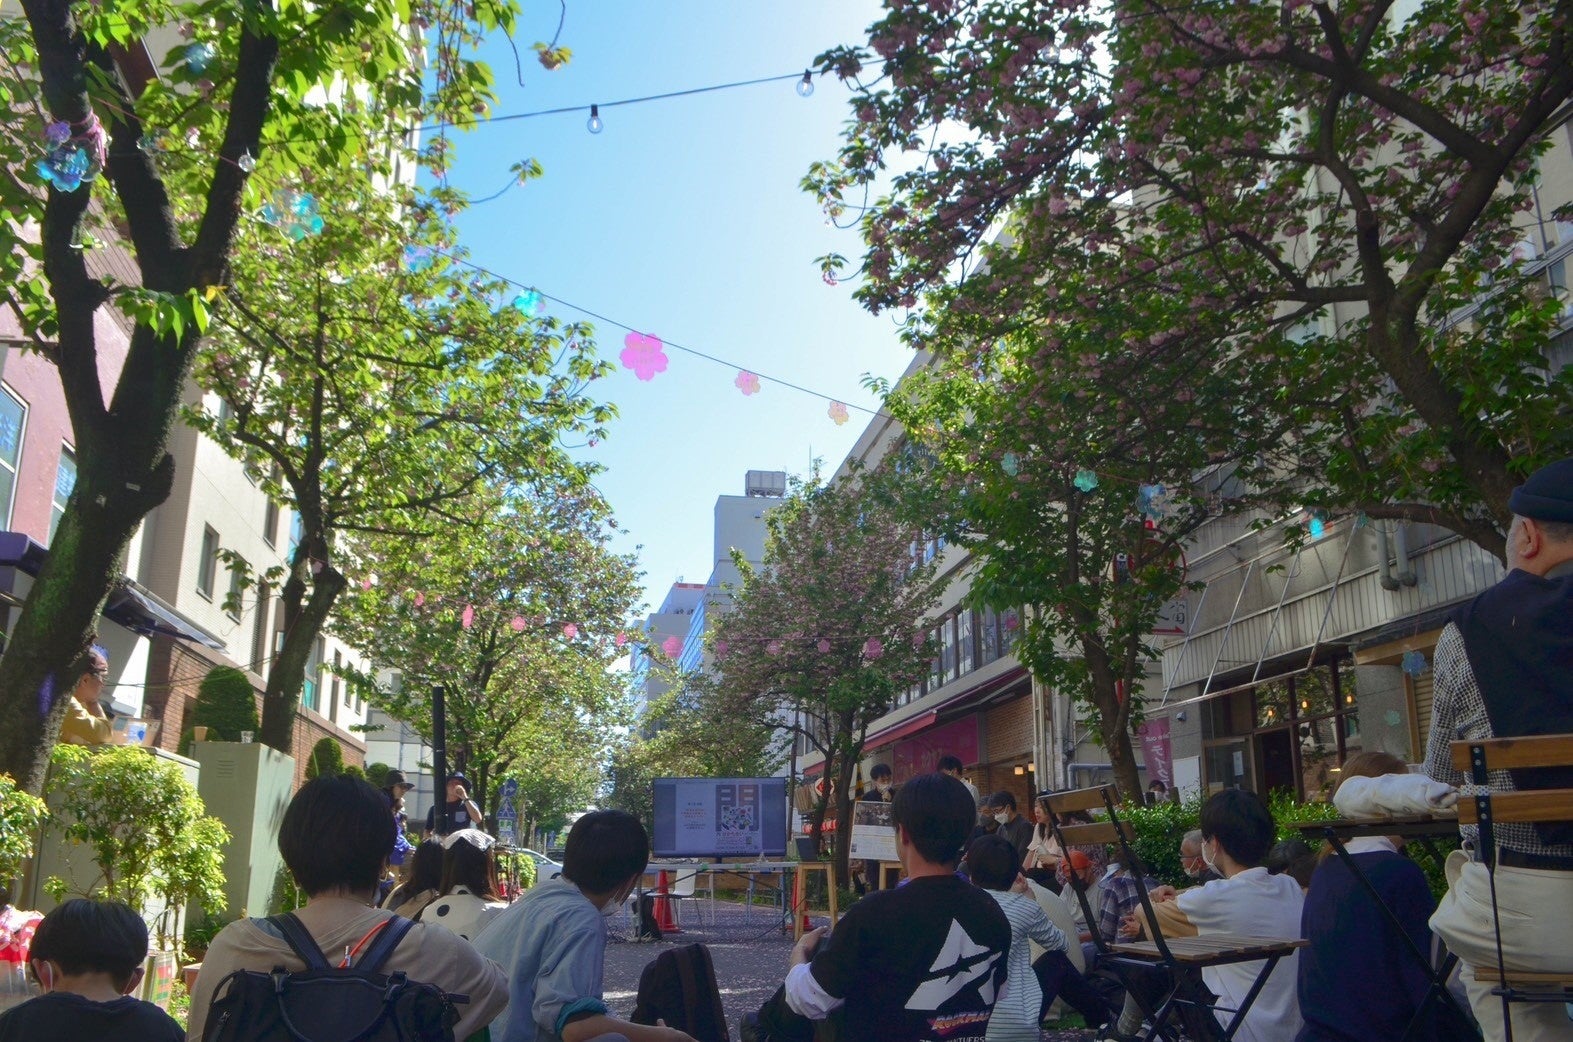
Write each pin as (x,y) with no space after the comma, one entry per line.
(719,817)
(873,831)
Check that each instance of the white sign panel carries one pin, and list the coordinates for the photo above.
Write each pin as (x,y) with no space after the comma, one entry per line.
(873,832)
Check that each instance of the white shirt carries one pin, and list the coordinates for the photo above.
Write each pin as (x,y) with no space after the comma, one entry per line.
(462,912)
(1252,904)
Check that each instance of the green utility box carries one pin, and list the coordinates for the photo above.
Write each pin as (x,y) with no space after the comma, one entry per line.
(247,786)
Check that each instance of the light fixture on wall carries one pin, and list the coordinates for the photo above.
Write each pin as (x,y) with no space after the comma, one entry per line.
(1020,769)
(1032,768)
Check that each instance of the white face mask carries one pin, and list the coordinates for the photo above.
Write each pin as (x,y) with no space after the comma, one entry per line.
(1003,817)
(1209,859)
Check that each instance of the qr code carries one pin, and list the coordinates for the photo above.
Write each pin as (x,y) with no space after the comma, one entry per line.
(737,819)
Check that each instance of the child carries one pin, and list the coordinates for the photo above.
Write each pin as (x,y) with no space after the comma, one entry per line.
(552,942)
(87,956)
(995,868)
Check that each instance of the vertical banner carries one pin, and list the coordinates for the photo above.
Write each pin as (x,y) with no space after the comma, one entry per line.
(1157,751)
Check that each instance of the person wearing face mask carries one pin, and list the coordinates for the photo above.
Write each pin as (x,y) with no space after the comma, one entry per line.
(552,941)
(87,956)
(880,793)
(1191,859)
(1014,827)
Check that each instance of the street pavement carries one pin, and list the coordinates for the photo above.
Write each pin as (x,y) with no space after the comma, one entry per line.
(749,949)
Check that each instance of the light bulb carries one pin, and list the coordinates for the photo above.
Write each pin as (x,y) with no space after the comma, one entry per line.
(805,86)
(594,124)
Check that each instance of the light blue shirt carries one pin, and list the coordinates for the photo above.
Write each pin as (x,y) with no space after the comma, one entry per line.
(551,945)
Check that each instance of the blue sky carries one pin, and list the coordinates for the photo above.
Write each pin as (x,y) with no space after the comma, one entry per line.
(684,219)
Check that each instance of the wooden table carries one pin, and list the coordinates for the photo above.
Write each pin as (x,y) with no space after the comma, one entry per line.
(889,874)
(804,870)
(1421,828)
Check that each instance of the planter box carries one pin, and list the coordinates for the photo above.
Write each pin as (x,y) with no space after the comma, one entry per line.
(247,786)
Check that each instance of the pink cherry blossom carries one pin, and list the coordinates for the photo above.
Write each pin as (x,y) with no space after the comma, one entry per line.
(644,355)
(570,630)
(824,646)
(747,382)
(837,413)
(673,646)
(419,599)
(467,618)
(516,623)
(873,648)
(774,647)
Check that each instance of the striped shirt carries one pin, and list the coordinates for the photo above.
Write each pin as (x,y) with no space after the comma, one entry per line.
(1458,713)
(1015,1017)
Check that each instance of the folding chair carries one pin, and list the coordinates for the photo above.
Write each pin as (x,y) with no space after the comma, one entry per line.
(1485,809)
(1182,957)
(684,883)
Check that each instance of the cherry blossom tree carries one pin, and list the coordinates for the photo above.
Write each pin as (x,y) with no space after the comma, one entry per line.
(825,634)
(1329,205)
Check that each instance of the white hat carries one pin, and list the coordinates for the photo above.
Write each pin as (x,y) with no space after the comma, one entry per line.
(475,837)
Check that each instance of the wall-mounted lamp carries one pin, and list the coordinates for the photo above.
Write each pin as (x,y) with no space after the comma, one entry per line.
(1032,768)
(1180,716)
(1020,769)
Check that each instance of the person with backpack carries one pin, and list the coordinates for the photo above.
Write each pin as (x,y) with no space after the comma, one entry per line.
(87,956)
(335,839)
(552,941)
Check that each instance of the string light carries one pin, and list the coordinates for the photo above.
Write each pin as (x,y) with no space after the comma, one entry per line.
(805,86)
(594,124)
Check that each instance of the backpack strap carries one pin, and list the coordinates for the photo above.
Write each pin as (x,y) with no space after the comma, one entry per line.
(690,984)
(300,939)
(387,939)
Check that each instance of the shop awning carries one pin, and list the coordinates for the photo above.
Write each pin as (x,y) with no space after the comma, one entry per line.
(899,731)
(130,604)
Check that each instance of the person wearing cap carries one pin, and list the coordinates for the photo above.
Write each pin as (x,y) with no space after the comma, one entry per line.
(1503,668)
(462,811)
(394,786)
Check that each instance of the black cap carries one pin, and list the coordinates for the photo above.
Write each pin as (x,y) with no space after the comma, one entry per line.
(1547,495)
(393,778)
(457,778)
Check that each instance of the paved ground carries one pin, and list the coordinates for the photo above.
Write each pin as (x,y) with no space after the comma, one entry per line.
(750,954)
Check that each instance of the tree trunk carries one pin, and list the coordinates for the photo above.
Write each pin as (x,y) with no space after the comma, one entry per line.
(1113,719)
(302,625)
(60,619)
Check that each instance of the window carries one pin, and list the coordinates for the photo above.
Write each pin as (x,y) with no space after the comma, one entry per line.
(13,419)
(207,563)
(313,684)
(65,481)
(988,646)
(947,646)
(259,630)
(964,653)
(232,600)
(338,682)
(270,524)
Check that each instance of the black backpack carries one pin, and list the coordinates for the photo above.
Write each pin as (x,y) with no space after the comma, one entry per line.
(679,987)
(358,1003)
(649,929)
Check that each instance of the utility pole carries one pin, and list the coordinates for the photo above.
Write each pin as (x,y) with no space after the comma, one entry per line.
(439,754)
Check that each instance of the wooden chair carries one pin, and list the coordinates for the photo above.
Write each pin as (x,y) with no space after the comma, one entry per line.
(1477,759)
(1182,957)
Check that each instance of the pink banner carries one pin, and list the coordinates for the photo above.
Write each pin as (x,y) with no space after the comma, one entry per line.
(1156,750)
(920,754)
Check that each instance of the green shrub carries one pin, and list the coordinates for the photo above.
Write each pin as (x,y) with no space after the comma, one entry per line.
(149,834)
(226,705)
(287,896)
(354,770)
(20,816)
(327,759)
(1160,828)
(377,774)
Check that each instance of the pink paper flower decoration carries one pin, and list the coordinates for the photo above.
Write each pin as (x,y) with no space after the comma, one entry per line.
(837,413)
(824,646)
(721,648)
(365,584)
(570,631)
(672,646)
(467,618)
(644,355)
(873,648)
(621,639)
(420,599)
(516,623)
(774,647)
(747,382)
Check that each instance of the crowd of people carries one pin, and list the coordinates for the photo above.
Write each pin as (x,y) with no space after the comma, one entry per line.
(994,920)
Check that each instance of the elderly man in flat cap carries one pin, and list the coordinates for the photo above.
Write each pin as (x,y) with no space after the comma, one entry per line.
(1504,668)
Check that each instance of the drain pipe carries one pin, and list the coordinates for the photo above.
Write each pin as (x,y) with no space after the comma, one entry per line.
(1383,552)
(1403,566)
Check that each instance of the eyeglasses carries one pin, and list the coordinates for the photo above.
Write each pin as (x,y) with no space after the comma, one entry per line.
(100,673)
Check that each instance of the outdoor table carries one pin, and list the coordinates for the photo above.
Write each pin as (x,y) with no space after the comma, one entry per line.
(800,914)
(1422,829)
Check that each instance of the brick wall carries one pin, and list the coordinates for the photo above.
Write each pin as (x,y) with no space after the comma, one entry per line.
(175,672)
(1007,729)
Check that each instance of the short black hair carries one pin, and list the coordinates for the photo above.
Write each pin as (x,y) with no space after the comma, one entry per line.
(938,813)
(1240,822)
(337,832)
(880,770)
(1001,799)
(604,849)
(86,936)
(1293,857)
(467,865)
(949,763)
(991,862)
